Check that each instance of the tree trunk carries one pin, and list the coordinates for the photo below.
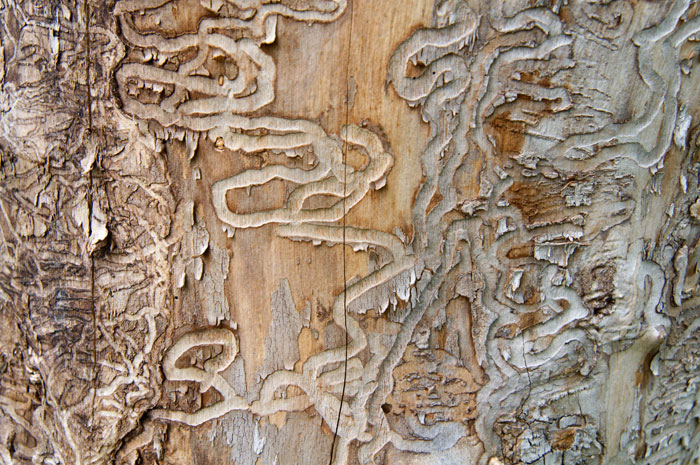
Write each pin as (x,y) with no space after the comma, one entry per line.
(267,232)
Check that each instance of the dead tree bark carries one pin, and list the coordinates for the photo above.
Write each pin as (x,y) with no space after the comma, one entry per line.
(349,231)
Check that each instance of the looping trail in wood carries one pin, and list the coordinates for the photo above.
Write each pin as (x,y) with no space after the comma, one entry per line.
(545,308)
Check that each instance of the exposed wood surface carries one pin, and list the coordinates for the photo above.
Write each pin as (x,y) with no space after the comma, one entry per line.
(472,224)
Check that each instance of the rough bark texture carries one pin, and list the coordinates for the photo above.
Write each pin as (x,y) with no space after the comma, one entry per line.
(474,223)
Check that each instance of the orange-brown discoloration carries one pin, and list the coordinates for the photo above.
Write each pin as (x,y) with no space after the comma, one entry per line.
(521,251)
(563,439)
(530,319)
(536,199)
(437,197)
(509,135)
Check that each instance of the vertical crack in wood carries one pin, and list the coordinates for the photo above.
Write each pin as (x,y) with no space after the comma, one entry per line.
(344,225)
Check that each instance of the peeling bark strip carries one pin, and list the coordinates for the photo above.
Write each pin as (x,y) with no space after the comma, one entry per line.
(518,185)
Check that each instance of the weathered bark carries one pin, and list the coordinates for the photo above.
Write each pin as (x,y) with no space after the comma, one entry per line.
(472,224)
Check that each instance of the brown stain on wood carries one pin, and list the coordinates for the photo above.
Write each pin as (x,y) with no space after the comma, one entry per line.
(529,319)
(536,199)
(567,16)
(644,375)
(508,134)
(466,178)
(535,78)
(506,129)
(563,439)
(521,251)
(434,201)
